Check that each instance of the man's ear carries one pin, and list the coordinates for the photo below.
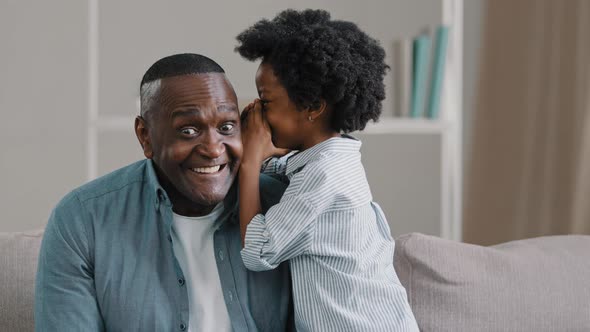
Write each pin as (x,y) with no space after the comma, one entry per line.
(314,113)
(142,133)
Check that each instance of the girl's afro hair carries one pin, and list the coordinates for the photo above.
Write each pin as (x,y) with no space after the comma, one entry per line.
(317,58)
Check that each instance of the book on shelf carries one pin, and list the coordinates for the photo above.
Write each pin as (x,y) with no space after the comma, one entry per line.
(438,69)
(420,64)
(419,69)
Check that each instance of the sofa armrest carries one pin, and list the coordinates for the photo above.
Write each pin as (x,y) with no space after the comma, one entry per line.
(538,284)
(18,266)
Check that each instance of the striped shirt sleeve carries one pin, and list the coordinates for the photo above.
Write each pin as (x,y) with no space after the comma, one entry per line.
(285,232)
(274,165)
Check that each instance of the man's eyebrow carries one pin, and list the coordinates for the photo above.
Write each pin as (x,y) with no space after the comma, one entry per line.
(227,108)
(192,111)
(185,112)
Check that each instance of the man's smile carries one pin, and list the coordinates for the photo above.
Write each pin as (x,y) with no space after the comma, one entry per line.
(208,169)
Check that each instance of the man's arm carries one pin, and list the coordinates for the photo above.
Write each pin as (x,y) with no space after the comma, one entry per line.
(65,296)
(272,187)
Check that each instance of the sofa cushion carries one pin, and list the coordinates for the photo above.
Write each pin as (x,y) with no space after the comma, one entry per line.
(18,266)
(539,284)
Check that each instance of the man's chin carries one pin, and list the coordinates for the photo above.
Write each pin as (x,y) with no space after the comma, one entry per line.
(208,201)
(210,197)
(197,205)
(204,190)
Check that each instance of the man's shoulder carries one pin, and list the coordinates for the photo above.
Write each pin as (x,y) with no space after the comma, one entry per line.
(114,181)
(272,187)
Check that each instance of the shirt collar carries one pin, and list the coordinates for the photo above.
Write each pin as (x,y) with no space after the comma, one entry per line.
(160,195)
(340,144)
(230,212)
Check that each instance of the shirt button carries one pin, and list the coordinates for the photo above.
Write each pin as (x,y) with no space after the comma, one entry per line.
(230,294)
(221,255)
(181,281)
(182,327)
(265,234)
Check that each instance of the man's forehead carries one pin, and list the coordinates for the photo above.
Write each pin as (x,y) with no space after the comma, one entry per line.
(191,95)
(210,86)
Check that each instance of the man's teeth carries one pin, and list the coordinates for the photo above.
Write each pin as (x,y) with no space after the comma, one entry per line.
(212,169)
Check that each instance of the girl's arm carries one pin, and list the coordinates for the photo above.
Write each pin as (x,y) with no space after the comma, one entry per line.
(258,146)
(284,232)
(249,194)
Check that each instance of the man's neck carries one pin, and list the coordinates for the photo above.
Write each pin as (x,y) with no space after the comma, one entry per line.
(191,211)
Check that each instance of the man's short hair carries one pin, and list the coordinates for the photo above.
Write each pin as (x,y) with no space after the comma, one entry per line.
(173,65)
(180,64)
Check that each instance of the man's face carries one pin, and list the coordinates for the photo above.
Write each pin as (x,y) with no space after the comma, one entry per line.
(193,136)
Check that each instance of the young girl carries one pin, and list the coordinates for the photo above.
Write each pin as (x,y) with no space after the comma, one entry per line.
(318,80)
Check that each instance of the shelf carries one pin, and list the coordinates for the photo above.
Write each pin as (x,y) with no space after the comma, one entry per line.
(406,126)
(425,152)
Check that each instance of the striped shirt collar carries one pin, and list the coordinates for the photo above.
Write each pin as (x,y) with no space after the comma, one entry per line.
(342,144)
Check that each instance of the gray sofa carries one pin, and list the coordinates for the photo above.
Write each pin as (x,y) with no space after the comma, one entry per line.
(540,284)
(18,265)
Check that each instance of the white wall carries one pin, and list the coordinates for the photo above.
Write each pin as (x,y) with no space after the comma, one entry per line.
(42,107)
(135,33)
(44,91)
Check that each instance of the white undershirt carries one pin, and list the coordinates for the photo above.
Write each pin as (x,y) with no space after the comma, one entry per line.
(192,240)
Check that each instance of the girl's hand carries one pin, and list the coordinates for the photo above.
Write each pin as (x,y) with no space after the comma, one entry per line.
(256,136)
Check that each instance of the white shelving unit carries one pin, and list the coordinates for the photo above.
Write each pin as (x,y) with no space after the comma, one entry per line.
(447,130)
(452,112)
(389,125)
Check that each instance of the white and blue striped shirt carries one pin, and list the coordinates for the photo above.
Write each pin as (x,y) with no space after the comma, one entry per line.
(337,241)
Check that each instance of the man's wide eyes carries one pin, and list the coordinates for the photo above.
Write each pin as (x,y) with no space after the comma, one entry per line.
(227,127)
(189,131)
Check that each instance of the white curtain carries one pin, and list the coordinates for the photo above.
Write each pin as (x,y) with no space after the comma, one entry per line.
(530,169)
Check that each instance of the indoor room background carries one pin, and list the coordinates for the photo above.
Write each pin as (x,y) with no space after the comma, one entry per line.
(508,156)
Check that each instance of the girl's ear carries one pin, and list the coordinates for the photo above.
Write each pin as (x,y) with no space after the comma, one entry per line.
(142,133)
(314,113)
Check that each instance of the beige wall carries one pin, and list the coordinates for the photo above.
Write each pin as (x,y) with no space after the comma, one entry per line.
(43,82)
(529,171)
(472,35)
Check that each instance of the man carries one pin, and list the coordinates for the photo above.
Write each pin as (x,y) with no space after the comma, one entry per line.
(155,246)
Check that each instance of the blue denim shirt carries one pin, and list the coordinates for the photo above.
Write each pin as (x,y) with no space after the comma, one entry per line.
(107,263)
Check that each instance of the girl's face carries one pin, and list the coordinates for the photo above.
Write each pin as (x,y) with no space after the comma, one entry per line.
(287,123)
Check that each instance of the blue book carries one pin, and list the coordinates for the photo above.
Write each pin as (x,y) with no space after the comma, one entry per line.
(438,71)
(421,57)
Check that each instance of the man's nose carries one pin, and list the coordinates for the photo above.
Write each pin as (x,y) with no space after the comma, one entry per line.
(212,145)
